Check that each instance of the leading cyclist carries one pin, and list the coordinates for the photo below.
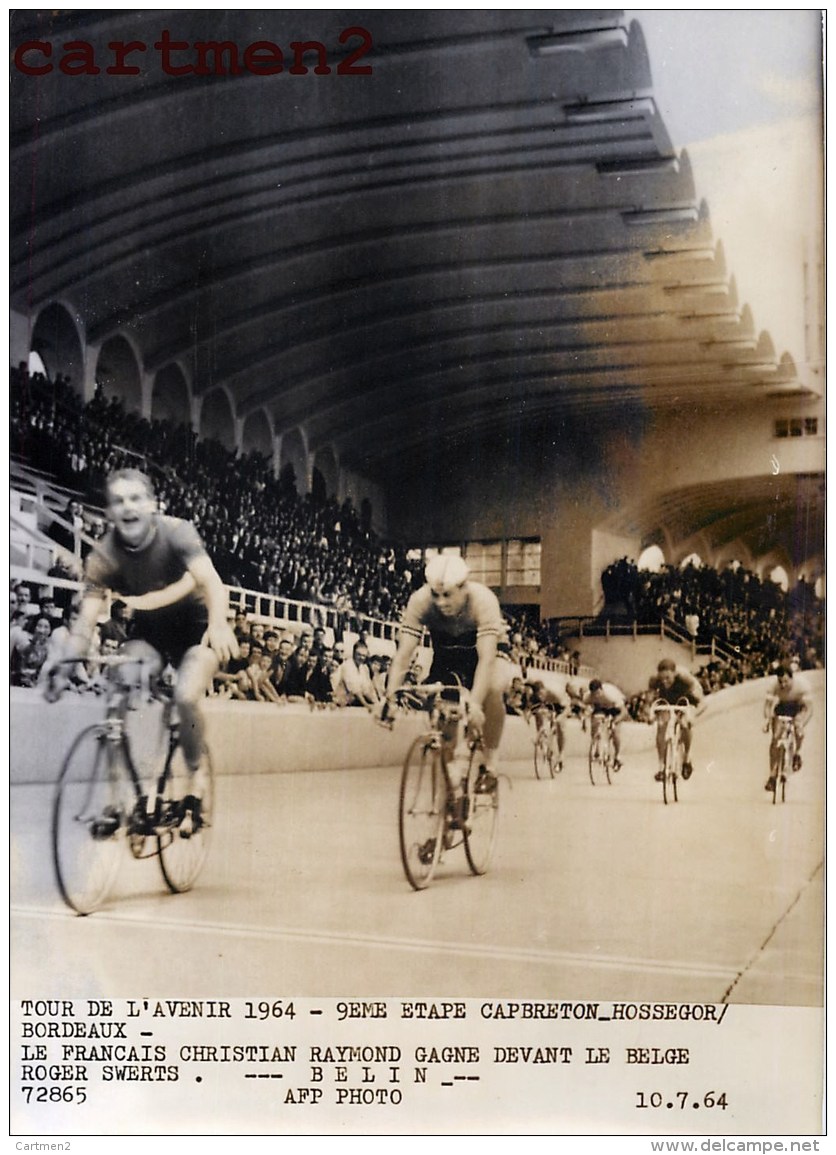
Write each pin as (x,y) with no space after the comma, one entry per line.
(790,697)
(465,624)
(670,683)
(159,567)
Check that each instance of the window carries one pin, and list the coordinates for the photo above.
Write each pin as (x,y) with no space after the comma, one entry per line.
(522,563)
(485,561)
(796,426)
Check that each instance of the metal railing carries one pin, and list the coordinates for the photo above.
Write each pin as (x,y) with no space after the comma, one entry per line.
(591,627)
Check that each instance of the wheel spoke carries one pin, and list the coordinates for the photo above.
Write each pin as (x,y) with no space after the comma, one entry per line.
(423,801)
(91,803)
(185,822)
(481,821)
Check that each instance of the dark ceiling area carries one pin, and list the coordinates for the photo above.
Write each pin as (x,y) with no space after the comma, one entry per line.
(490,227)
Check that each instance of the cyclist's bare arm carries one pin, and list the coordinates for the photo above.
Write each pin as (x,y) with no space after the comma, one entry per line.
(400,664)
(77,646)
(219,634)
(486,652)
(158,599)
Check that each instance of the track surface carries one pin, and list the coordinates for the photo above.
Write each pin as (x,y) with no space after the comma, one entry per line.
(593,892)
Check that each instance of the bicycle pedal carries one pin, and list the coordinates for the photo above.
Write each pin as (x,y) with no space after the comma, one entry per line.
(106,825)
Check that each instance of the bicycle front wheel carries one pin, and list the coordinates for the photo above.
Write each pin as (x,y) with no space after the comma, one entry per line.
(481,820)
(423,802)
(89,816)
(541,755)
(185,820)
(784,769)
(598,772)
(670,775)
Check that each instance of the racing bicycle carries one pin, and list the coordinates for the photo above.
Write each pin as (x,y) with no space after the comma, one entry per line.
(670,716)
(787,743)
(547,760)
(103,803)
(602,760)
(441,805)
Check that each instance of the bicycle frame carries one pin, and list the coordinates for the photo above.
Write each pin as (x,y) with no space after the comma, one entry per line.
(669,717)
(786,744)
(601,744)
(102,801)
(434,814)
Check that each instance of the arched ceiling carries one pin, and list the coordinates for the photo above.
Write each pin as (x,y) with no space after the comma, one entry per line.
(493,225)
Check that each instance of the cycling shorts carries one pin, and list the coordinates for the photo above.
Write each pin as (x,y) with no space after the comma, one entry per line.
(606,712)
(170,636)
(452,664)
(788,709)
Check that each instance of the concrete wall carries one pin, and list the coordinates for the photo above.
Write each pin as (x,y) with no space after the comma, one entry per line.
(629,662)
(579,476)
(245,737)
(254,738)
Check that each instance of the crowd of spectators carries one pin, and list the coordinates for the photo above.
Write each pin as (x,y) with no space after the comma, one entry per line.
(259,532)
(263,536)
(752,617)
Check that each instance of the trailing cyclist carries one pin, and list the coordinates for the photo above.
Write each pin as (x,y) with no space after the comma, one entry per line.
(790,697)
(551,704)
(604,700)
(465,624)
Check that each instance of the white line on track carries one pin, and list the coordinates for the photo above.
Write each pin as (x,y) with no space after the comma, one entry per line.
(417,946)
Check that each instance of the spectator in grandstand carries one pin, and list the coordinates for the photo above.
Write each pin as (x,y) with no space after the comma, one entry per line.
(19,636)
(790,696)
(280,663)
(241,625)
(354,682)
(465,624)
(28,656)
(670,684)
(117,625)
(605,700)
(295,674)
(378,675)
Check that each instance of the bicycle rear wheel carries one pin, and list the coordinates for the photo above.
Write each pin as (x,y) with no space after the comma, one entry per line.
(422,806)
(481,820)
(92,800)
(188,805)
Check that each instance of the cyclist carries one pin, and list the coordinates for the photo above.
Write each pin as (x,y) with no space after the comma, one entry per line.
(670,683)
(790,697)
(604,700)
(554,701)
(465,624)
(159,567)
(575,691)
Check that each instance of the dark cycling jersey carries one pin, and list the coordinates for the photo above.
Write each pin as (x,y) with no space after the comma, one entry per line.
(454,639)
(163,561)
(683,686)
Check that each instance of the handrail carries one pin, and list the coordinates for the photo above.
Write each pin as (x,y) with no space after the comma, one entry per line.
(593,627)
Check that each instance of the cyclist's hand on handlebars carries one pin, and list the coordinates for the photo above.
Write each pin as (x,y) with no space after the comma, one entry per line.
(476,719)
(56,683)
(221,638)
(383,712)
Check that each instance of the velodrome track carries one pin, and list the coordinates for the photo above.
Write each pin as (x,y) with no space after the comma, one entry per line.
(593,892)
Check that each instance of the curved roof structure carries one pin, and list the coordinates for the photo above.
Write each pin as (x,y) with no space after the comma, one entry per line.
(491,226)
